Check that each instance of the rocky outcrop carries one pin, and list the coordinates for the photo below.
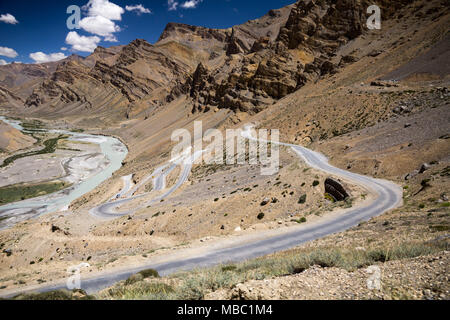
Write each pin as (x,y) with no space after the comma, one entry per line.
(335,189)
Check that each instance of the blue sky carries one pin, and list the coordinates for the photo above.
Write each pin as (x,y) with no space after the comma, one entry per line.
(36,31)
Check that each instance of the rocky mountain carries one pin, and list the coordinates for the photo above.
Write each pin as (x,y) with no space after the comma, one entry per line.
(244,68)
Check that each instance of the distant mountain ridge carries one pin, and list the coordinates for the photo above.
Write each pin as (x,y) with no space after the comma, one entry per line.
(244,68)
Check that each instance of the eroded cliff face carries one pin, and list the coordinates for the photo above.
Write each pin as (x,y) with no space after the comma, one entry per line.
(244,68)
(264,70)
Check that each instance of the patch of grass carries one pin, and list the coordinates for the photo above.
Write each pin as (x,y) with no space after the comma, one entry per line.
(34,125)
(230,267)
(348,203)
(141,290)
(440,228)
(194,285)
(141,275)
(62,294)
(22,191)
(301,220)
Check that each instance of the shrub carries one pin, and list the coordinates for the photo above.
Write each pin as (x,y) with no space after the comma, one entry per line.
(149,273)
(378,255)
(326,258)
(302,199)
(142,290)
(62,294)
(230,267)
(315,183)
(134,278)
(260,216)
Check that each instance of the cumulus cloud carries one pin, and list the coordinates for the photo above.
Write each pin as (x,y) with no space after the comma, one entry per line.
(101,15)
(8,18)
(3,62)
(100,26)
(105,9)
(8,52)
(40,57)
(139,8)
(172,4)
(63,48)
(82,43)
(191,4)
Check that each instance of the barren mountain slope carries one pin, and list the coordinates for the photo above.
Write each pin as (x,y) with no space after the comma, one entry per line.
(12,139)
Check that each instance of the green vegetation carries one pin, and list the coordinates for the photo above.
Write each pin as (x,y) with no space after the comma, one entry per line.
(302,199)
(329,197)
(22,191)
(440,228)
(62,294)
(49,147)
(142,290)
(33,125)
(141,275)
(301,220)
(315,183)
(194,285)
(149,273)
(260,216)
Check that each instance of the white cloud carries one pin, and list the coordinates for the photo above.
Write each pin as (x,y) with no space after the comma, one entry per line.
(82,43)
(40,57)
(191,4)
(172,5)
(8,52)
(3,62)
(101,17)
(8,18)
(139,8)
(100,26)
(105,9)
(63,48)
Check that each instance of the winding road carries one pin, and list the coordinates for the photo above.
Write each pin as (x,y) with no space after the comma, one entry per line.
(386,196)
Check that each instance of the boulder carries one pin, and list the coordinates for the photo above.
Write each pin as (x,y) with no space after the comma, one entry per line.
(335,189)
(411,174)
(424,167)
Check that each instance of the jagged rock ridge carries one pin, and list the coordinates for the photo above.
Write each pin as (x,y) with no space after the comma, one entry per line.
(244,68)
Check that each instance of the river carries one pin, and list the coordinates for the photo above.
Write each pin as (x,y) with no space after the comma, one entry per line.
(114,152)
